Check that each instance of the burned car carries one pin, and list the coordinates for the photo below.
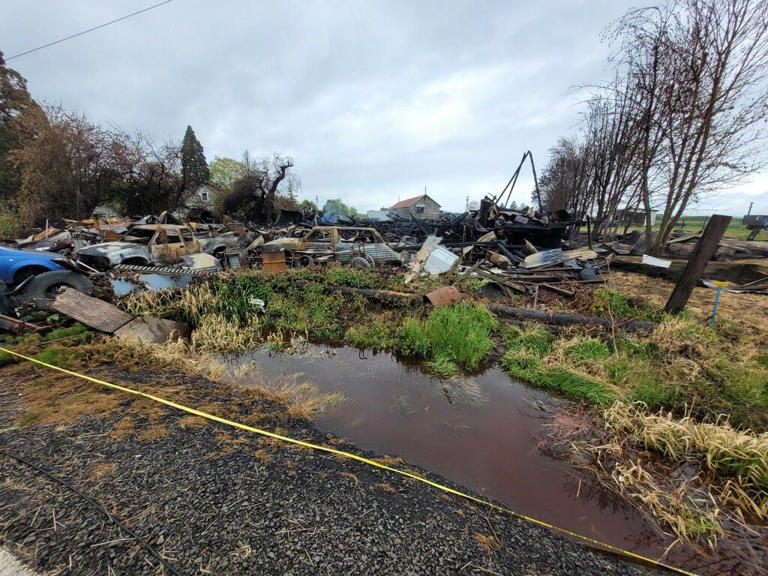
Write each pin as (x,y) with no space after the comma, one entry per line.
(358,247)
(143,245)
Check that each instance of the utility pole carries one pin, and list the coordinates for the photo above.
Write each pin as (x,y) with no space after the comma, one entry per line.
(702,253)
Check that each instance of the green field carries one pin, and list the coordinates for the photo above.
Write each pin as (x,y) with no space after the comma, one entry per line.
(696,224)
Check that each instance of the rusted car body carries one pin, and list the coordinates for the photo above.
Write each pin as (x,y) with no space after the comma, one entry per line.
(144,245)
(360,247)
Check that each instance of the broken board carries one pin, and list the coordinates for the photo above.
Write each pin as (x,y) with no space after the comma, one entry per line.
(90,311)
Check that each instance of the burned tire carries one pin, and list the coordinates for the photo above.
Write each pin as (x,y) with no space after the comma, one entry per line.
(305,261)
(360,263)
(43,287)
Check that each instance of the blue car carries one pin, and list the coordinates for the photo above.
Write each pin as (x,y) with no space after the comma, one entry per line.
(18,265)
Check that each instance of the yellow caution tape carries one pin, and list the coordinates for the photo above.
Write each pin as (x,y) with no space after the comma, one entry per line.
(289,440)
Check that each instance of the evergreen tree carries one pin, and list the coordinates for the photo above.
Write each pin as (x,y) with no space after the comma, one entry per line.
(194,168)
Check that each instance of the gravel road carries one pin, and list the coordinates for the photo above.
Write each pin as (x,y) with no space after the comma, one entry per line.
(214,500)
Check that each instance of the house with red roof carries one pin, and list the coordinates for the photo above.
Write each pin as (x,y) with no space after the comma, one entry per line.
(419,207)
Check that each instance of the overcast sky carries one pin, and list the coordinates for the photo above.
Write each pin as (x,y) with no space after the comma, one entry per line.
(373,100)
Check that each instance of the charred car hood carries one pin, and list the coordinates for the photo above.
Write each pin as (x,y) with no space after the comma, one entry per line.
(116,252)
(107,248)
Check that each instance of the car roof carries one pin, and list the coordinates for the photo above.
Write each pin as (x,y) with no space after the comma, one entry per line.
(41,253)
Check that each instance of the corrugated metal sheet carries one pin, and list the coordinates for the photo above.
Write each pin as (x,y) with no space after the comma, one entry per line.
(440,261)
(543,258)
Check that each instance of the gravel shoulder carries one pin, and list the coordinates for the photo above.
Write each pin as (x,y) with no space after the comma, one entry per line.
(215,500)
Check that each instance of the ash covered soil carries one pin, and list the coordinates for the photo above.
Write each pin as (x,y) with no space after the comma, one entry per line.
(214,500)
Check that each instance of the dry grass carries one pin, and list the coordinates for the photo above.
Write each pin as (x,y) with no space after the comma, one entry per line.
(102,470)
(124,427)
(262,455)
(303,399)
(352,477)
(487,543)
(712,477)
(383,486)
(216,333)
(192,422)
(152,433)
(740,456)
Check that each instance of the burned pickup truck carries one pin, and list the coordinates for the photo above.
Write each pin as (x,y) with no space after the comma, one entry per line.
(142,245)
(358,247)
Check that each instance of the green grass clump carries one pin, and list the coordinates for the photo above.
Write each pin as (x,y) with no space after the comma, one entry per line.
(443,366)
(338,276)
(656,395)
(609,303)
(529,338)
(459,334)
(588,350)
(762,359)
(527,367)
(61,357)
(77,332)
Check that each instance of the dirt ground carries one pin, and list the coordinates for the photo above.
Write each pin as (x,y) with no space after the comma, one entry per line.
(744,309)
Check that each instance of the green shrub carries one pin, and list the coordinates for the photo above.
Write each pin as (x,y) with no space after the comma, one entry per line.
(8,225)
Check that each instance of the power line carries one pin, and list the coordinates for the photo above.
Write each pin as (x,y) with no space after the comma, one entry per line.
(86,31)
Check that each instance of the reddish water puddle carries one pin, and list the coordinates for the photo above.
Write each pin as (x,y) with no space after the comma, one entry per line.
(481,432)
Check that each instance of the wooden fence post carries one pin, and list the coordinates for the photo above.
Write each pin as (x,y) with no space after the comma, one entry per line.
(705,249)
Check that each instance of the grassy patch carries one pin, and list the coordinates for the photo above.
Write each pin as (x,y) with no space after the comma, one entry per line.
(378,331)
(529,338)
(527,367)
(76,332)
(459,334)
(59,356)
(610,303)
(443,366)
(27,418)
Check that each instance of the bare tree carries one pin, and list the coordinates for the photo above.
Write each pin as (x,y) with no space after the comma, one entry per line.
(255,193)
(697,74)
(564,182)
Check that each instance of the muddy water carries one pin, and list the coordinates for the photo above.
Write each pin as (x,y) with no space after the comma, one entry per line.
(481,432)
(123,286)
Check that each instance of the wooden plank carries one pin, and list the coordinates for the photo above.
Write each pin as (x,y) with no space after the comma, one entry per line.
(273,262)
(90,311)
(705,249)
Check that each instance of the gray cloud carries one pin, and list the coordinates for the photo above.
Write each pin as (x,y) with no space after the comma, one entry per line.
(373,100)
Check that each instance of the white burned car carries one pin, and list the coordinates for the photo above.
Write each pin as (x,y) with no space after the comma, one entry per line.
(143,245)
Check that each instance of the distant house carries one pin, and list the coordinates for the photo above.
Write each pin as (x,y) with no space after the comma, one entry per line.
(203,198)
(419,207)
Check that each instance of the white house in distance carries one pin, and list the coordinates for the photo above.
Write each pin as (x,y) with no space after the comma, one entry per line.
(204,197)
(419,207)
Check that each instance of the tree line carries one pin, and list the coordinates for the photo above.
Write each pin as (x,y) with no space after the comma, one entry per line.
(683,118)
(58,164)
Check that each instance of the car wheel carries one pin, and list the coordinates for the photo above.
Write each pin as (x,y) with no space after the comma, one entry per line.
(360,263)
(44,287)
